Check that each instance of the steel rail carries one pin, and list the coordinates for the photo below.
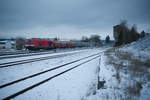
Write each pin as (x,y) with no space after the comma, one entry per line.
(2,65)
(24,55)
(46,80)
(42,72)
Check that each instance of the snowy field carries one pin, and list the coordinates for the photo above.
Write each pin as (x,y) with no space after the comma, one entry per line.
(139,49)
(44,55)
(73,85)
(41,52)
(121,73)
(126,72)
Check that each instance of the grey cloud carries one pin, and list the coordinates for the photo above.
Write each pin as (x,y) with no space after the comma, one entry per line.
(83,14)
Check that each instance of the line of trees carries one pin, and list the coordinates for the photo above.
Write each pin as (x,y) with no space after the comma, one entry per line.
(95,40)
(107,39)
(123,34)
(20,43)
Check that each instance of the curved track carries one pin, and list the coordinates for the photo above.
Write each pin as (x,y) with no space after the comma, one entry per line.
(91,57)
(31,53)
(24,54)
(18,52)
(7,64)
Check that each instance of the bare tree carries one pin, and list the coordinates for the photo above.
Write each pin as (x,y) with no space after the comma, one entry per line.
(107,39)
(133,33)
(123,34)
(142,34)
(95,39)
(20,43)
(56,39)
(84,39)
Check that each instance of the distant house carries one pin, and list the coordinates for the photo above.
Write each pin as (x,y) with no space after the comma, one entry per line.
(7,44)
(2,44)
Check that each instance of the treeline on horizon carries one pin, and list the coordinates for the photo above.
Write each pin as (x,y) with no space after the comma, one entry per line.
(123,34)
(95,40)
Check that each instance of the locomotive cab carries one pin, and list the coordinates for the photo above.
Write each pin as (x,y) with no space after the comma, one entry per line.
(29,44)
(36,44)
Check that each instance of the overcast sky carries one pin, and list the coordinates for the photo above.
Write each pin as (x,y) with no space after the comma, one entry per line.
(70,18)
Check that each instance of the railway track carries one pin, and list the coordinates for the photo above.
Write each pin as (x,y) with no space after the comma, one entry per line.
(24,55)
(7,64)
(18,52)
(82,61)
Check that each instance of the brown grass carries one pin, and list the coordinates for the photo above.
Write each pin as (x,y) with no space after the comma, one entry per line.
(135,90)
(92,90)
(136,69)
(128,56)
(113,61)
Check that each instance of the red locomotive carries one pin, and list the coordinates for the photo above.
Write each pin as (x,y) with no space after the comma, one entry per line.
(36,43)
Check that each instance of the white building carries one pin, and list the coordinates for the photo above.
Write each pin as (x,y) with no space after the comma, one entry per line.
(7,44)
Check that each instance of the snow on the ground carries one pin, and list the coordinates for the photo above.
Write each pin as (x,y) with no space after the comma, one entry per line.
(126,71)
(38,56)
(18,71)
(110,89)
(139,49)
(73,85)
(41,52)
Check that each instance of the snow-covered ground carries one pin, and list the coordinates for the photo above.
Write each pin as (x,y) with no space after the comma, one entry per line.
(38,56)
(139,49)
(73,85)
(119,74)
(126,72)
(42,52)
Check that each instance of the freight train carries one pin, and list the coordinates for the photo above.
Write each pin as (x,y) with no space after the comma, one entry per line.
(37,43)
